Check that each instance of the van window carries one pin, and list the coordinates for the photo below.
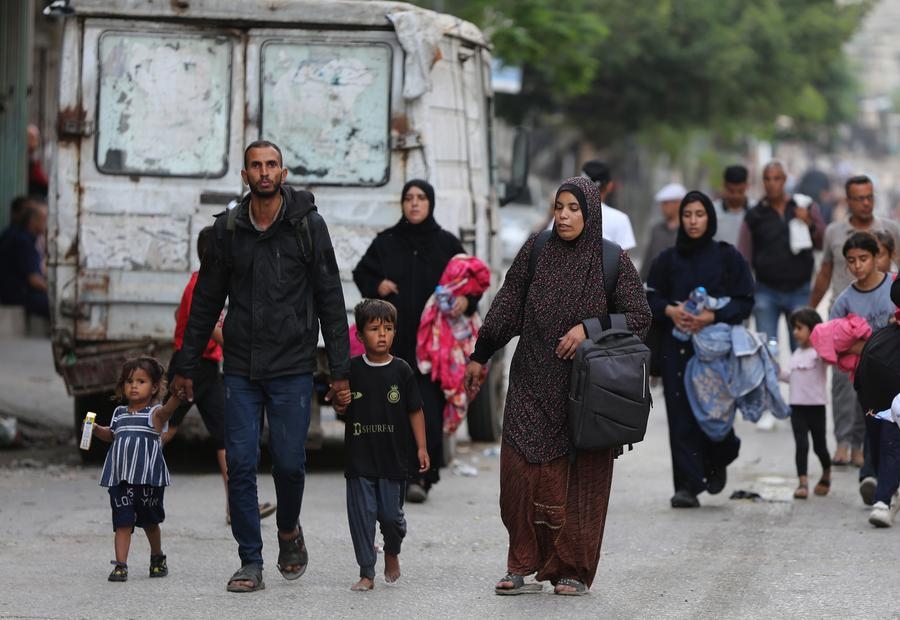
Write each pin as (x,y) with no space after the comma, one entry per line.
(164,101)
(328,107)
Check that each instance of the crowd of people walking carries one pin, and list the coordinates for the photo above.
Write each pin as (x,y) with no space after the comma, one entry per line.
(709,268)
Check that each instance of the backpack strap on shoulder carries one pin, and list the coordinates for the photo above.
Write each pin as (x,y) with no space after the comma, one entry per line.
(539,243)
(611,252)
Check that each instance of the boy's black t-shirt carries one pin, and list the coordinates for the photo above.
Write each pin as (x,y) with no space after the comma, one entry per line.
(377,436)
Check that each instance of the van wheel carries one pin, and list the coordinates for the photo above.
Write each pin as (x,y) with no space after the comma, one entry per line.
(101,404)
(486,411)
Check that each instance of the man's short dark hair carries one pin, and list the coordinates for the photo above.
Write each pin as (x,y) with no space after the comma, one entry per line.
(859,179)
(598,172)
(369,310)
(259,144)
(736,174)
(18,208)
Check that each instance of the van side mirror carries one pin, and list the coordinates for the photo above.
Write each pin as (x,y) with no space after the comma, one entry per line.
(518,180)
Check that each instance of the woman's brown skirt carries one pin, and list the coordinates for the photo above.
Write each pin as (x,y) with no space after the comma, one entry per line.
(555,513)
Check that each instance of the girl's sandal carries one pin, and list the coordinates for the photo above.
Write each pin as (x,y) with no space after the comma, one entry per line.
(119,571)
(822,487)
(158,567)
(802,492)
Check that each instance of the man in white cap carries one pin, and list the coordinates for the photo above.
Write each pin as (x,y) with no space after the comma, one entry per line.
(662,235)
(616,224)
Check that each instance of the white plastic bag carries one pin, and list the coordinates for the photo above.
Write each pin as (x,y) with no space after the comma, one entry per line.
(800,239)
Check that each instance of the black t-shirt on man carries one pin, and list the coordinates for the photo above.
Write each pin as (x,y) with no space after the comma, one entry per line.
(377,435)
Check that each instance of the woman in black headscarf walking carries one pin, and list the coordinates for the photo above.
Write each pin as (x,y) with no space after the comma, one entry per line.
(403,266)
(554,510)
(698,463)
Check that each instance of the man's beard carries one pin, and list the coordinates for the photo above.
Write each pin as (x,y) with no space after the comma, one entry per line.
(276,187)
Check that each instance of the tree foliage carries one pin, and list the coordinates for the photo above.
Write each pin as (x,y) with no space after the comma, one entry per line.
(619,67)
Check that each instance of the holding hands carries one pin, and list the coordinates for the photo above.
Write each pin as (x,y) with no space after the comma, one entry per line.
(339,395)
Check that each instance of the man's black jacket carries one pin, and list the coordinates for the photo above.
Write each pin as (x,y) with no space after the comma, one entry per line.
(267,330)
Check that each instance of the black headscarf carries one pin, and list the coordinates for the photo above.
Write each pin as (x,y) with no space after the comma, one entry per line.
(429,223)
(683,242)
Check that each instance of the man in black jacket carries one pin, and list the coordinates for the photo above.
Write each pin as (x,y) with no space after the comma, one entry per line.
(783,274)
(273,259)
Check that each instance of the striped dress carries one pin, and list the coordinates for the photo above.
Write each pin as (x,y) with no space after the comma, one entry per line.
(136,454)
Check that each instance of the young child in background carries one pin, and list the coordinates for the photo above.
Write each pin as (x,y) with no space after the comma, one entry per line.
(806,375)
(384,404)
(209,391)
(884,262)
(870,298)
(135,470)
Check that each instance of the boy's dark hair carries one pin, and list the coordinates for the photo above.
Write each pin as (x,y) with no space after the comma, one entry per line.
(861,241)
(374,310)
(148,364)
(859,179)
(257,144)
(736,174)
(598,172)
(887,240)
(807,317)
(205,238)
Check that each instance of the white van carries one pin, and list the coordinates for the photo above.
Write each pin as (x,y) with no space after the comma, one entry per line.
(158,99)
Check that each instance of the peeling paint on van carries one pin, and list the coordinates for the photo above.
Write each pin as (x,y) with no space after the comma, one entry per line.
(133,242)
(160,114)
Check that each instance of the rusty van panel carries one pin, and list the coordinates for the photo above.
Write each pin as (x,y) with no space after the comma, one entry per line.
(134,242)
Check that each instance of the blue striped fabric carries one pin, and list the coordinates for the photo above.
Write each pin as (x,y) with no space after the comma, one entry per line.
(136,454)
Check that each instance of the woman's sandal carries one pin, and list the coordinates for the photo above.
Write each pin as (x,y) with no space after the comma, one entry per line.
(292,552)
(158,566)
(822,487)
(519,586)
(802,492)
(119,572)
(251,573)
(579,588)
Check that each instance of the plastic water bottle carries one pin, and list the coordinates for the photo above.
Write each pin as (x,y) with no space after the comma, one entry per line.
(696,302)
(772,346)
(458,325)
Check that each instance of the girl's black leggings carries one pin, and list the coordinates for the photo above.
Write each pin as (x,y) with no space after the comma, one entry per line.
(809,420)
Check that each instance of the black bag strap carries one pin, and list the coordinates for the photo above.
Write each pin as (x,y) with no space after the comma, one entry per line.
(611,251)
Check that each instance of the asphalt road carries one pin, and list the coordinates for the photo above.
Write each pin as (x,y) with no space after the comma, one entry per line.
(730,559)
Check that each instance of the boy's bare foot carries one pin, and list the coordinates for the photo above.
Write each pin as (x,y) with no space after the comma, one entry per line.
(391,567)
(363,585)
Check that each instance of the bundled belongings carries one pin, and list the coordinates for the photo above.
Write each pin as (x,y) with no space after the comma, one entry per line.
(731,369)
(443,342)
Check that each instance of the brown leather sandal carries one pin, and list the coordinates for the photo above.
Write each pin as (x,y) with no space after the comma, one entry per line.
(802,492)
(822,486)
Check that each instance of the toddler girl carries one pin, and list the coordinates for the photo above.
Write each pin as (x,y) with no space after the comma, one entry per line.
(135,470)
(806,375)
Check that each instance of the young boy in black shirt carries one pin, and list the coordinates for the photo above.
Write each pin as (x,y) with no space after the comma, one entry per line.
(382,404)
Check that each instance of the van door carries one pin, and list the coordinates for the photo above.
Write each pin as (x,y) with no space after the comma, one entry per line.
(163,156)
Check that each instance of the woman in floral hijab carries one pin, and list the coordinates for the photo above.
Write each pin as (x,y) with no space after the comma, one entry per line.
(554,510)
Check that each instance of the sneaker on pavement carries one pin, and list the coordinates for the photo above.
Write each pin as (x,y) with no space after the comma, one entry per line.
(881,515)
(867,489)
(716,478)
(766,422)
(684,499)
(416,493)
